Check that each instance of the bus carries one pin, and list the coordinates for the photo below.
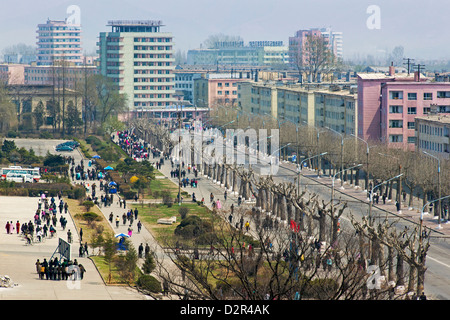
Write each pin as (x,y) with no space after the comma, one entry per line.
(17,170)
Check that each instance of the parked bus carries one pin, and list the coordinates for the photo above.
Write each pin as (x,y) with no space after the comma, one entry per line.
(17,170)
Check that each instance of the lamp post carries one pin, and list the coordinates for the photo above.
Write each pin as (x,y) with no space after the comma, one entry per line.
(319,160)
(367,159)
(439,187)
(342,153)
(371,196)
(399,187)
(274,153)
(332,183)
(296,140)
(300,169)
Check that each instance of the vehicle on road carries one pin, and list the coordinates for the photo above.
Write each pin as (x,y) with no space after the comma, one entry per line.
(34,172)
(64,148)
(18,177)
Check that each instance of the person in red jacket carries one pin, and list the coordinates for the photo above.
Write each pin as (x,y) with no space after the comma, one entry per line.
(17,226)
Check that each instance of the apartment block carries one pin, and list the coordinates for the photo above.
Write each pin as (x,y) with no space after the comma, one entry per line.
(432,134)
(318,105)
(58,40)
(389,103)
(138,56)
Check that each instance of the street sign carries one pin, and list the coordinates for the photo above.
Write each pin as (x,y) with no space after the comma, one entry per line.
(64,249)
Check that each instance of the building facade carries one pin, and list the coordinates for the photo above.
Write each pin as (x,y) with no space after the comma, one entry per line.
(388,105)
(138,57)
(255,53)
(58,40)
(74,75)
(432,134)
(320,106)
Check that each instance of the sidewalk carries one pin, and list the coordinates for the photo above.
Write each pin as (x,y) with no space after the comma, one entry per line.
(358,193)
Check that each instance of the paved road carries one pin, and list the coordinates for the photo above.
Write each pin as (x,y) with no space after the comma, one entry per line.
(17,259)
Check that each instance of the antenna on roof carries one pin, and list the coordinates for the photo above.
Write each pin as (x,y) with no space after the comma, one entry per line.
(408,63)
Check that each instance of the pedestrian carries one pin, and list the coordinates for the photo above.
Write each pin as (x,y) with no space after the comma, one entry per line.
(139,226)
(247,226)
(147,250)
(86,249)
(140,250)
(82,271)
(81,234)
(17,226)
(117,221)
(69,236)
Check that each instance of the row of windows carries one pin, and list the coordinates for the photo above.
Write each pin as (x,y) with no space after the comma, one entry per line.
(152,80)
(151,104)
(399,138)
(410,110)
(152,39)
(413,95)
(434,131)
(151,64)
(152,96)
(151,56)
(152,71)
(160,48)
(226,92)
(434,146)
(150,87)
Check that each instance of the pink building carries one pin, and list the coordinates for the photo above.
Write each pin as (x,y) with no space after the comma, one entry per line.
(388,105)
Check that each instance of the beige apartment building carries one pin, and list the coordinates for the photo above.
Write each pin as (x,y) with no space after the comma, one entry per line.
(432,134)
(330,106)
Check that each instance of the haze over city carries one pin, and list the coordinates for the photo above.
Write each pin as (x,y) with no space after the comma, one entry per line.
(413,24)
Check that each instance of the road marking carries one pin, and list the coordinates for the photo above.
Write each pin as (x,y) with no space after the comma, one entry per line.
(440,262)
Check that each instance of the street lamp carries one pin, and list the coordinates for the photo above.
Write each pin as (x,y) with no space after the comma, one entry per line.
(301,166)
(439,186)
(371,196)
(334,177)
(342,153)
(274,153)
(367,156)
(319,160)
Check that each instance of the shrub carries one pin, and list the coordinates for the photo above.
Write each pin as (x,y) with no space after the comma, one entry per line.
(149,283)
(88,205)
(183,211)
(91,217)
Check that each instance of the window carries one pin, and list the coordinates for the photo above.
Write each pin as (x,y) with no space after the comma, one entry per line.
(411,139)
(219,92)
(396,95)
(443,94)
(412,110)
(395,138)
(395,123)
(411,125)
(395,109)
(427,96)
(219,84)
(426,110)
(412,96)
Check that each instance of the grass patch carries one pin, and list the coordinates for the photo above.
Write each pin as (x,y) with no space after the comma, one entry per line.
(77,210)
(150,213)
(115,278)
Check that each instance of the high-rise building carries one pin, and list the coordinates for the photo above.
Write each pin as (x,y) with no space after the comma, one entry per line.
(139,58)
(58,40)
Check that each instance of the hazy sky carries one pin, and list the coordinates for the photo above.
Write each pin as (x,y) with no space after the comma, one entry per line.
(419,26)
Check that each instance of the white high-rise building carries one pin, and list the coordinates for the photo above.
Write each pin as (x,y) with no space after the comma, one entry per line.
(139,58)
(335,40)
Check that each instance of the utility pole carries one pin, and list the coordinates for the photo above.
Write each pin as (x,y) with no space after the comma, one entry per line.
(408,63)
(420,67)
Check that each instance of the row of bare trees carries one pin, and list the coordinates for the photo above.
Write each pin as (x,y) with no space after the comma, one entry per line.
(301,247)
(378,162)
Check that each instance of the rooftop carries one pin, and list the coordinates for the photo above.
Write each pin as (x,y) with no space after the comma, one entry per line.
(441,118)
(145,23)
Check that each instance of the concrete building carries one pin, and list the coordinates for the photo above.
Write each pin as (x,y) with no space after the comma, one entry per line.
(138,56)
(216,89)
(12,74)
(255,53)
(318,105)
(389,103)
(52,75)
(58,40)
(432,134)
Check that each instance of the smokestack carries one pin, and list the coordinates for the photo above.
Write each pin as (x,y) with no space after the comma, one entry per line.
(417,76)
(392,69)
